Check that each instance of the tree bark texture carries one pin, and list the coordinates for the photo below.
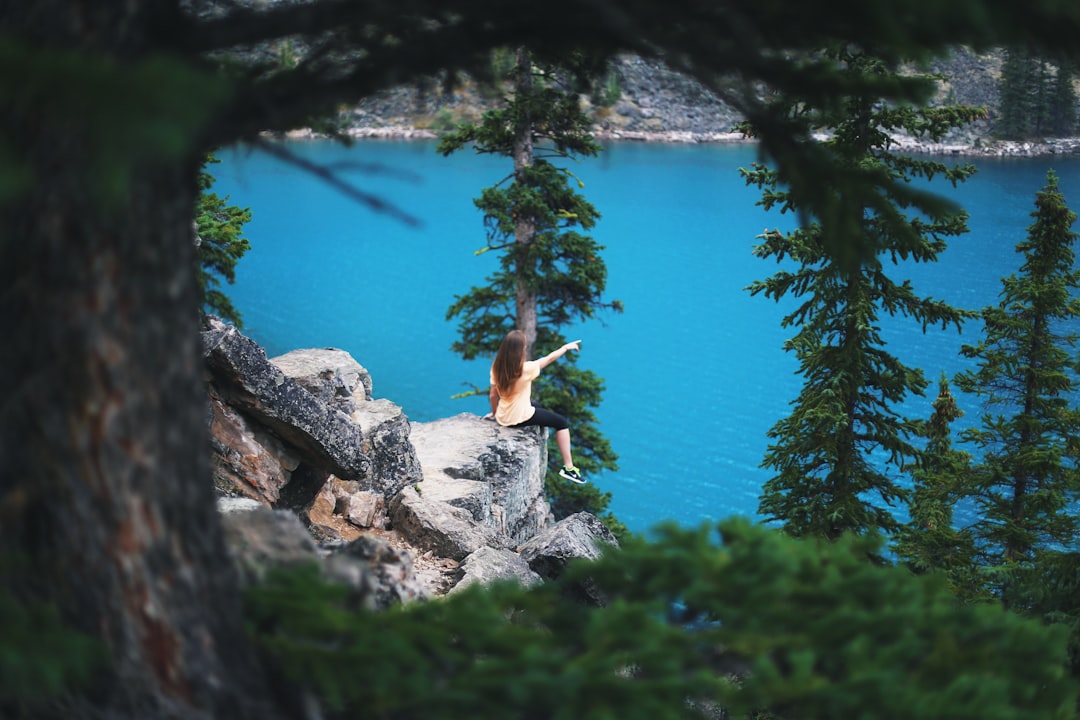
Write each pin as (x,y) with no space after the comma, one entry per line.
(524,225)
(105,490)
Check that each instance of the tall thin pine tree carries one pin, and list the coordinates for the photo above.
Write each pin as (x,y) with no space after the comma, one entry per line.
(550,272)
(1027,483)
(838,455)
(931,541)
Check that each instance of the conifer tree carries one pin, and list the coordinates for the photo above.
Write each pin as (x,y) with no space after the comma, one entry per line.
(1027,482)
(220,245)
(827,479)
(550,272)
(930,541)
(1037,95)
(1017,106)
(1061,116)
(740,623)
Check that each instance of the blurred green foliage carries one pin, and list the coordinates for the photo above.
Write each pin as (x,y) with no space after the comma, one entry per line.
(747,619)
(41,658)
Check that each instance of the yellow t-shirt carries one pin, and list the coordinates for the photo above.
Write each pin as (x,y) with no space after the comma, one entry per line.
(517,406)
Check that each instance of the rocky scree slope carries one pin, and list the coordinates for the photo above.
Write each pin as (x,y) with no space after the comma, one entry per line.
(657,104)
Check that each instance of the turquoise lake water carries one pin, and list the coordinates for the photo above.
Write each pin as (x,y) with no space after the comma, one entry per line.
(694,368)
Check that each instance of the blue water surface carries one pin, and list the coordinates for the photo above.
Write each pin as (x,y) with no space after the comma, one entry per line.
(694,368)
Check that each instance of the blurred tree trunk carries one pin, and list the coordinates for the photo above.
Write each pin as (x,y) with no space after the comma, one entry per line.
(109,506)
(525,224)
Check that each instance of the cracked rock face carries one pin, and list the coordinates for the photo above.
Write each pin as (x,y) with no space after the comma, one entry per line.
(342,383)
(496,474)
(439,527)
(487,565)
(329,374)
(240,374)
(281,428)
(581,535)
(398,511)
(245,459)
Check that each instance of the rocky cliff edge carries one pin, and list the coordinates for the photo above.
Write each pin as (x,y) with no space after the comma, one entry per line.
(310,467)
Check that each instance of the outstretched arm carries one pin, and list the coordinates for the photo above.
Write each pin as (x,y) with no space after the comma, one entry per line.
(556,354)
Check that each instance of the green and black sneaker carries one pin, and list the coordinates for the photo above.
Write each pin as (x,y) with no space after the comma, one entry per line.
(572,474)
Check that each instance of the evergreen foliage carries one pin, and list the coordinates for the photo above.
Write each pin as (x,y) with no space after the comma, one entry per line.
(1037,96)
(221,245)
(931,541)
(550,272)
(1016,106)
(40,657)
(1027,483)
(827,479)
(757,622)
(1049,590)
(1061,115)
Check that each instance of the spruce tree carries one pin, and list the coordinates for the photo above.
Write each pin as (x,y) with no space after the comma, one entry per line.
(1027,483)
(550,271)
(1061,115)
(219,227)
(930,541)
(1014,90)
(740,623)
(1036,92)
(827,479)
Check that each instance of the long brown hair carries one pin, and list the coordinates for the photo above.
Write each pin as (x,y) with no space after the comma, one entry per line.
(509,361)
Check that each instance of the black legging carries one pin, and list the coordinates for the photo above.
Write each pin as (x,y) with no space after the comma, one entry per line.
(545,418)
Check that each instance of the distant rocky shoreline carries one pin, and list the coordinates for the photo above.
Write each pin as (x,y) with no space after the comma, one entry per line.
(980,148)
(658,105)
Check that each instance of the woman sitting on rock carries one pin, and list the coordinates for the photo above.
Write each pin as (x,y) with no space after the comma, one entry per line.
(511,394)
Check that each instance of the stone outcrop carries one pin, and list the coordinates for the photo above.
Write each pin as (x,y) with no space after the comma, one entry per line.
(242,376)
(245,458)
(329,374)
(334,377)
(312,468)
(487,565)
(494,473)
(261,540)
(438,526)
(580,535)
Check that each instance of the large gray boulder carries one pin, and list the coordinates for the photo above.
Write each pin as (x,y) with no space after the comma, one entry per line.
(495,474)
(386,431)
(380,574)
(330,374)
(581,535)
(337,379)
(487,565)
(445,530)
(326,439)
(260,540)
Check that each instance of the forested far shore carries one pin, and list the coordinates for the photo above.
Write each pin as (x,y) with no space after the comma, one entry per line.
(640,100)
